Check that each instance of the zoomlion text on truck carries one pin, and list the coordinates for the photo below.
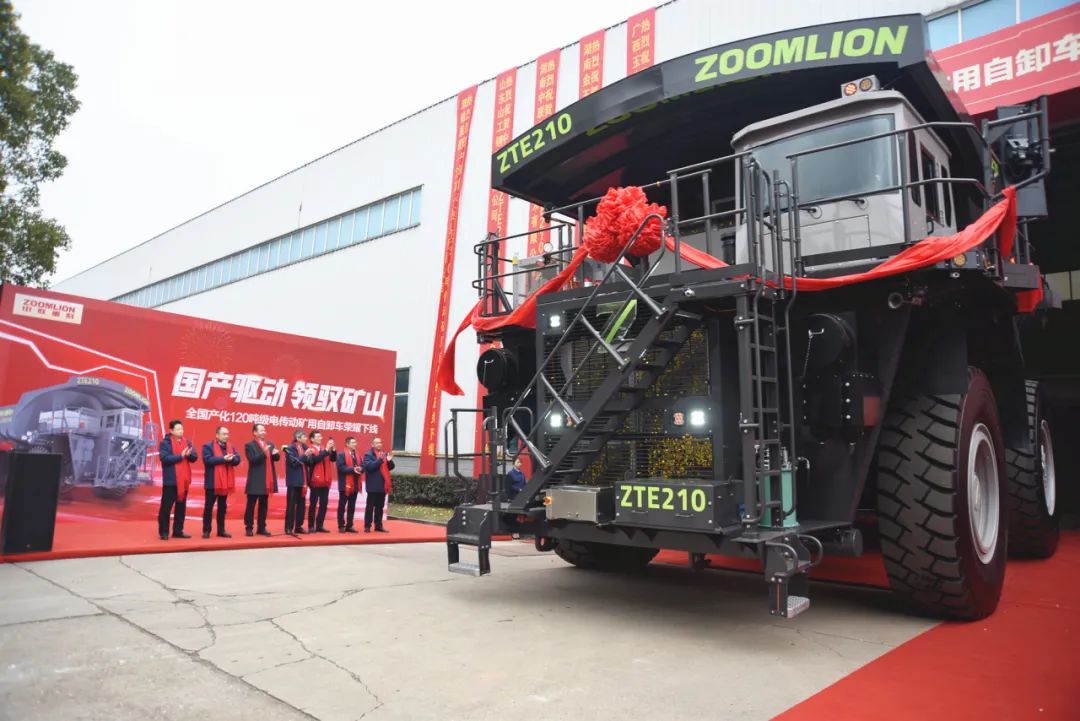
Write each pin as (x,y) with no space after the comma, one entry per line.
(826,331)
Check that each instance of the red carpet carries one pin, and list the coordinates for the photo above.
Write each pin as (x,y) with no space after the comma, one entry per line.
(89,526)
(75,540)
(1017,665)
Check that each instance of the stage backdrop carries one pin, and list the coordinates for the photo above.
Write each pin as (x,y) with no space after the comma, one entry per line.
(98,383)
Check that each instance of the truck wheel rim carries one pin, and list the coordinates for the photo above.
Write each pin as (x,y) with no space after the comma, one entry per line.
(982,480)
(1046,459)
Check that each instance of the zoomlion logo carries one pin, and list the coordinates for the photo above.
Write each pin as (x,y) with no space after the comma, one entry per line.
(35,306)
(854,43)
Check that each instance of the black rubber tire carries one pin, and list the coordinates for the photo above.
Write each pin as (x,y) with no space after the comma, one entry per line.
(604,556)
(922,499)
(1033,531)
(111,493)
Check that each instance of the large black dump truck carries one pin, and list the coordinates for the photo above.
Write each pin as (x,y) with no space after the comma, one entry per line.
(737,408)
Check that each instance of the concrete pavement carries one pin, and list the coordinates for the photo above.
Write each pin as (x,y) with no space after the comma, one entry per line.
(385,633)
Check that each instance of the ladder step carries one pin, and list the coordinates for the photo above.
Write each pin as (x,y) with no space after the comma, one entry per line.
(688,315)
(649,367)
(770,379)
(667,344)
(468,539)
(466,569)
(796,605)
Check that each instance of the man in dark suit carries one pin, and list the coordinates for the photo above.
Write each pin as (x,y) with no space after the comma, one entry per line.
(349,471)
(261,478)
(297,460)
(377,466)
(176,455)
(220,459)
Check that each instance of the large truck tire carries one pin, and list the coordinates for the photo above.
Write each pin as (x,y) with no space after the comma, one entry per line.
(942,501)
(1033,520)
(111,492)
(604,556)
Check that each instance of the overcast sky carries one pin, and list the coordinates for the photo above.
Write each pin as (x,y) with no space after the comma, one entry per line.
(186,104)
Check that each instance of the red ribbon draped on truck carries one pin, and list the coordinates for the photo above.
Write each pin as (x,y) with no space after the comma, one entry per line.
(927,252)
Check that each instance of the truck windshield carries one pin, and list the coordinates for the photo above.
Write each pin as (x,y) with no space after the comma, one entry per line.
(860,168)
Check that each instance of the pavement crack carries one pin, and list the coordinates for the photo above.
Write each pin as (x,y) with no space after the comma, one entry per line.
(192,655)
(13,624)
(179,601)
(314,654)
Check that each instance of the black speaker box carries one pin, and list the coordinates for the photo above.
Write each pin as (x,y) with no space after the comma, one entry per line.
(31,483)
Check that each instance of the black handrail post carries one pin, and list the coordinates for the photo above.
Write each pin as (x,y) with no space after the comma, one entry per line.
(706,209)
(674,179)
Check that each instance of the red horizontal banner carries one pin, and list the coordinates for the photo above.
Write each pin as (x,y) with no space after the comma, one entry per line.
(1016,64)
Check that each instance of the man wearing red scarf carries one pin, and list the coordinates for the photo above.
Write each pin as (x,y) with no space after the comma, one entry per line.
(377,466)
(297,462)
(176,455)
(220,460)
(261,478)
(349,470)
(320,476)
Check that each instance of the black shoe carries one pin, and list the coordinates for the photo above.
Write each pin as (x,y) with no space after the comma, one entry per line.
(264,532)
(320,529)
(367,530)
(350,529)
(164,536)
(381,530)
(249,532)
(206,534)
(180,534)
(299,532)
(341,529)
(224,534)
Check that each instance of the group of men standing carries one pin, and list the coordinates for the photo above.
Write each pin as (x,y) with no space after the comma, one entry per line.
(309,467)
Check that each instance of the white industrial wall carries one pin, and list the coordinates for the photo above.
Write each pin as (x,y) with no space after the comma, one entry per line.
(384,292)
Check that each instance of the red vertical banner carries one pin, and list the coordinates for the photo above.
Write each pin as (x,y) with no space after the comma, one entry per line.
(465,102)
(640,41)
(502,133)
(547,85)
(591,64)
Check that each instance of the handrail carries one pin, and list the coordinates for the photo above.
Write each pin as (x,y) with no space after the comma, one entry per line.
(651,217)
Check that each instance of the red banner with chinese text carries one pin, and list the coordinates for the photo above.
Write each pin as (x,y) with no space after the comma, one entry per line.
(1016,64)
(98,383)
(591,64)
(501,134)
(547,88)
(640,41)
(466,100)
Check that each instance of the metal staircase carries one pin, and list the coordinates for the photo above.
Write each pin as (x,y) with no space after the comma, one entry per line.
(620,393)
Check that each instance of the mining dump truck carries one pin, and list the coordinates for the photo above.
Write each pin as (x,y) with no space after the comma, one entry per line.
(96,425)
(788,361)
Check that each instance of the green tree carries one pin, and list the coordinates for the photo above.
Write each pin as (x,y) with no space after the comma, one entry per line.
(36,100)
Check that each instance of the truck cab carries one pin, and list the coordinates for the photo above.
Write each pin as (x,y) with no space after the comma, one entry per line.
(848,159)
